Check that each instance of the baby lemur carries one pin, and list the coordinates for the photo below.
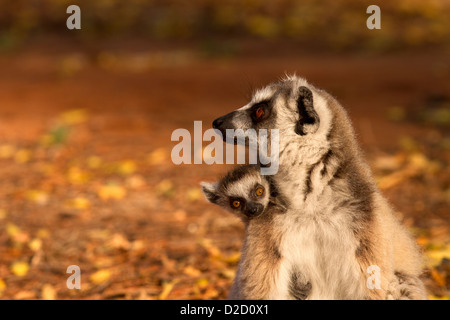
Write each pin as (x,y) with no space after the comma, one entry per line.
(254,198)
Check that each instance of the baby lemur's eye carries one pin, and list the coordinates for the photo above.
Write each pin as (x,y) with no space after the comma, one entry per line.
(236,203)
(259,191)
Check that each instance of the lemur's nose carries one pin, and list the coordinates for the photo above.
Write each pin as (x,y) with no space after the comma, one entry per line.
(217,123)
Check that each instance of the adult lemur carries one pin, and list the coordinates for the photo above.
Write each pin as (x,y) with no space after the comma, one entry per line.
(337,223)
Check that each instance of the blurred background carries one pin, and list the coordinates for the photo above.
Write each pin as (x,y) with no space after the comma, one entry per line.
(86,118)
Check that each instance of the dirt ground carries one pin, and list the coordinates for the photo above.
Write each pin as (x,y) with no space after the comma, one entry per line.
(87,179)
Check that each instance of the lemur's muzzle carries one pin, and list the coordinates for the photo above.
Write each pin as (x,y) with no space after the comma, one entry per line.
(223,123)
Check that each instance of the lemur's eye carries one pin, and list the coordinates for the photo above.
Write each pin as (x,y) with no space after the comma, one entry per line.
(259,112)
(259,191)
(236,203)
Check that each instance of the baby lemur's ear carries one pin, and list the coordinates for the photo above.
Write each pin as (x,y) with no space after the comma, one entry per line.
(210,191)
(308,121)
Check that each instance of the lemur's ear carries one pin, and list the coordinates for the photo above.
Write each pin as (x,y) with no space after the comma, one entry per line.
(280,204)
(308,121)
(210,191)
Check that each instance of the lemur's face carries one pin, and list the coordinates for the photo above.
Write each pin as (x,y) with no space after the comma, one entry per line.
(242,191)
(291,105)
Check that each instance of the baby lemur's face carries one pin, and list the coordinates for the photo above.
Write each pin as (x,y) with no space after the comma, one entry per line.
(243,191)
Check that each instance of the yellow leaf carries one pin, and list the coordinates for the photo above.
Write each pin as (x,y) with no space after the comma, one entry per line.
(435,256)
(158,156)
(20,268)
(6,151)
(202,283)
(167,288)
(233,258)
(79,203)
(228,273)
(165,187)
(438,298)
(191,271)
(38,196)
(35,244)
(194,194)
(16,234)
(100,276)
(438,277)
(12,230)
(77,176)
(127,167)
(43,233)
(115,192)
(94,162)
(22,156)
(24,295)
(422,241)
(212,249)
(2,286)
(75,116)
(48,292)
(135,182)
(119,241)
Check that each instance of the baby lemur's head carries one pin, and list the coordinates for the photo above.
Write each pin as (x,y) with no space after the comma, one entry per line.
(244,192)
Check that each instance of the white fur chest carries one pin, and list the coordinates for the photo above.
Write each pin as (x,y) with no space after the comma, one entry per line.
(323,250)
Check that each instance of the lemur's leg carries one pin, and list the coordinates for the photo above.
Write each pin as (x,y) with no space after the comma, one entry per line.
(258,272)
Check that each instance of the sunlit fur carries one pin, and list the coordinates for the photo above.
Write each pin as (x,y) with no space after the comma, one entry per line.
(260,260)
(338,223)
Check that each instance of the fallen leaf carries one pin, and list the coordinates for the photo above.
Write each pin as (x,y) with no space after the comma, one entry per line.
(435,256)
(76,175)
(431,297)
(167,288)
(35,244)
(37,196)
(94,162)
(24,295)
(438,277)
(194,194)
(191,271)
(6,151)
(202,283)
(135,182)
(211,249)
(79,203)
(158,156)
(2,287)
(75,116)
(43,233)
(48,292)
(101,276)
(228,273)
(16,234)
(111,191)
(20,268)
(22,156)
(127,167)
(119,241)
(165,188)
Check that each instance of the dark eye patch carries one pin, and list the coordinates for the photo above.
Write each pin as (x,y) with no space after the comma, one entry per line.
(241,201)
